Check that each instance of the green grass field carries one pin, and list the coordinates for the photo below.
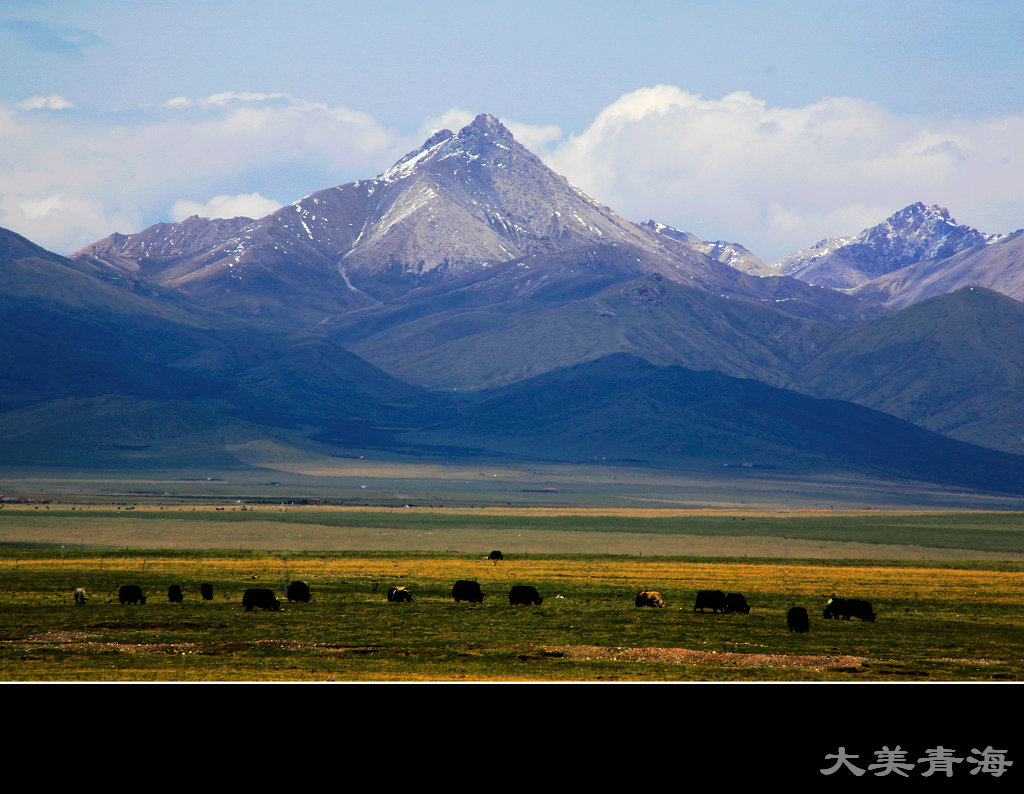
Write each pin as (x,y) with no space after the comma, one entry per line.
(631,531)
(943,613)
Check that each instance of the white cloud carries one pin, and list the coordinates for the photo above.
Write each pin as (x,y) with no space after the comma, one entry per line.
(226,97)
(780,179)
(539,139)
(452,119)
(63,222)
(68,181)
(51,102)
(248,205)
(774,179)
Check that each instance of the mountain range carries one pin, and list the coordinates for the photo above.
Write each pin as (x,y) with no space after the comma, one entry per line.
(469,298)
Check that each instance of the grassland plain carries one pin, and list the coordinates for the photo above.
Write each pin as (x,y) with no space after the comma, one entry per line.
(938,619)
(946,586)
(835,534)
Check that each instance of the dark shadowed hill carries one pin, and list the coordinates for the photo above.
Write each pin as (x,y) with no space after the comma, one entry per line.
(67,334)
(623,408)
(953,364)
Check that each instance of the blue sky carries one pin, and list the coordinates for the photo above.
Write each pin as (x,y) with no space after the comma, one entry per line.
(773,124)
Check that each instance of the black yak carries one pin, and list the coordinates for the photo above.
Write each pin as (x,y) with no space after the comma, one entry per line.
(524,594)
(847,608)
(710,599)
(467,591)
(131,594)
(735,602)
(798,621)
(298,591)
(399,593)
(260,597)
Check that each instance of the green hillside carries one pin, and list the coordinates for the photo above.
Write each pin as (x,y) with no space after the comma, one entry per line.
(952,364)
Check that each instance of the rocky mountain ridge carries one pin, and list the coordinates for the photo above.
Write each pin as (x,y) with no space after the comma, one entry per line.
(997,265)
(731,254)
(913,234)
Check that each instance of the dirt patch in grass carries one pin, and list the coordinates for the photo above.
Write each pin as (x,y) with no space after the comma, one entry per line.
(84,641)
(61,637)
(727,658)
(79,640)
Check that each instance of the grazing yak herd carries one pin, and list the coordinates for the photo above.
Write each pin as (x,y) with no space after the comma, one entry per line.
(797,619)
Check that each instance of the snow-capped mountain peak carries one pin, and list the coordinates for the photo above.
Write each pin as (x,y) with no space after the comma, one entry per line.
(913,234)
(458,203)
